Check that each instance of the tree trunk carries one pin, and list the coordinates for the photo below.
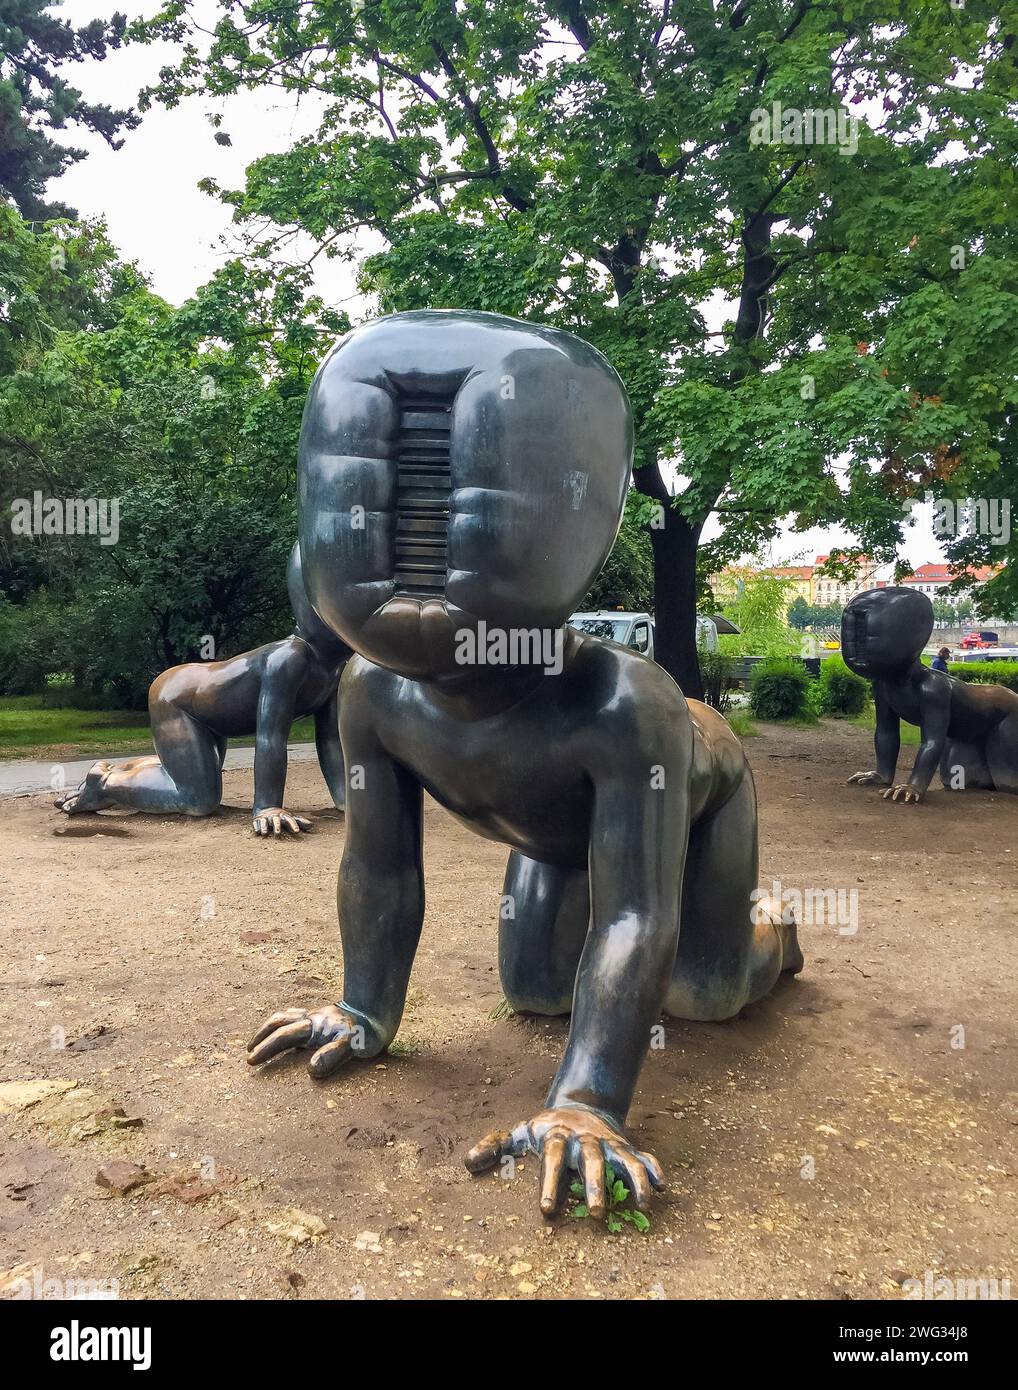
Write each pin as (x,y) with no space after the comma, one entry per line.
(675,648)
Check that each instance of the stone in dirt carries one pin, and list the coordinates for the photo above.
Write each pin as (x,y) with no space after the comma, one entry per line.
(121,1176)
(98,1036)
(19,1095)
(190,1187)
(82,1114)
(296,1225)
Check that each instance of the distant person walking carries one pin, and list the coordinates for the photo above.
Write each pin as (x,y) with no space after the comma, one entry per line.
(939,662)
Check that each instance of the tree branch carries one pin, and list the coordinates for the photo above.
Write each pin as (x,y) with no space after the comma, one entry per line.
(473,111)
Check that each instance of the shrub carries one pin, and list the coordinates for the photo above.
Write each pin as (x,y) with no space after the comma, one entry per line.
(717,671)
(841,692)
(986,672)
(779,688)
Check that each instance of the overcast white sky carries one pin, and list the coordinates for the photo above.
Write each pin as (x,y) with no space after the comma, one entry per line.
(147,192)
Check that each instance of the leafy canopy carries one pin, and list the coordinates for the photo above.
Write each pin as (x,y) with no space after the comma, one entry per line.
(590,163)
(35,99)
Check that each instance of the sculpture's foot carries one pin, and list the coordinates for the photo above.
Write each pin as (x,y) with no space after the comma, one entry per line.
(791,952)
(787,929)
(89,796)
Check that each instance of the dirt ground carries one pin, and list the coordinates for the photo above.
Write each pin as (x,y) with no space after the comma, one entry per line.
(852,1131)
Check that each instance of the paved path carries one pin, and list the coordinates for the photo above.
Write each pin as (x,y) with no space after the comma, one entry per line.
(23,777)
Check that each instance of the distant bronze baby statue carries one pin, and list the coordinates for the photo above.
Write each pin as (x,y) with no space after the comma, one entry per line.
(969,731)
(462,479)
(195,709)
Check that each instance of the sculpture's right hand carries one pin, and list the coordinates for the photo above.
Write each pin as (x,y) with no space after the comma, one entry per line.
(867,779)
(273,820)
(335,1035)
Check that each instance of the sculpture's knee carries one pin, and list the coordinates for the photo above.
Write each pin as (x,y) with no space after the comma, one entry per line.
(200,804)
(528,990)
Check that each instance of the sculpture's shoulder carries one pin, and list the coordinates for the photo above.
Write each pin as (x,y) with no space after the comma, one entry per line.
(367,677)
(629,674)
(631,698)
(933,685)
(368,692)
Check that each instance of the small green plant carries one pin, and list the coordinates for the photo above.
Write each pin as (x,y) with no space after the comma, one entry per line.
(841,692)
(404,1047)
(717,671)
(618,1213)
(779,688)
(742,724)
(503,1009)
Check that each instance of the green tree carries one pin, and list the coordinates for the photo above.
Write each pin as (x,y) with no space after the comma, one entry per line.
(800,613)
(188,417)
(627,579)
(36,100)
(758,607)
(612,166)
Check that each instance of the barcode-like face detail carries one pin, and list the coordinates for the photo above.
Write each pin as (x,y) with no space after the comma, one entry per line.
(422,506)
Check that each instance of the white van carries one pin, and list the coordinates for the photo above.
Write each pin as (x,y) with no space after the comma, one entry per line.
(636,630)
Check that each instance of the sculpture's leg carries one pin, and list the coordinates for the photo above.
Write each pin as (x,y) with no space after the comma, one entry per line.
(543,922)
(184,776)
(963,767)
(1002,754)
(731,949)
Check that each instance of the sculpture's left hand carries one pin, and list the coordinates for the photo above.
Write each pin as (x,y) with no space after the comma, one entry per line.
(274,820)
(903,792)
(573,1138)
(332,1034)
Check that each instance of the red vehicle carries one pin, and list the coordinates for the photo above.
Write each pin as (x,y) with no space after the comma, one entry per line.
(973,641)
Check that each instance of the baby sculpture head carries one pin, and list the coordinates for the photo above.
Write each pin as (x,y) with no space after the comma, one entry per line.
(457,470)
(308,624)
(883,631)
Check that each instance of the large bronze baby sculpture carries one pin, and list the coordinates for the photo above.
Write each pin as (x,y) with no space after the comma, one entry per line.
(969,731)
(462,479)
(195,709)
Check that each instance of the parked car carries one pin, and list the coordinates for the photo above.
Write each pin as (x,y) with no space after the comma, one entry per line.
(636,630)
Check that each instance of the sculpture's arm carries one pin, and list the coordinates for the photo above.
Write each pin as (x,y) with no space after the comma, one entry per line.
(637,853)
(281,680)
(638,841)
(381,909)
(330,749)
(886,743)
(381,885)
(886,739)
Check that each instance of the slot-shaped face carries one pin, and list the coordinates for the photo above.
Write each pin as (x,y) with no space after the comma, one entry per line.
(884,630)
(457,468)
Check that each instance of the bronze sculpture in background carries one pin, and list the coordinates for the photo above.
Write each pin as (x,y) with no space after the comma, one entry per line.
(969,731)
(196,708)
(462,479)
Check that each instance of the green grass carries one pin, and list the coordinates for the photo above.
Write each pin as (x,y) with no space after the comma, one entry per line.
(867,720)
(742,723)
(28,729)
